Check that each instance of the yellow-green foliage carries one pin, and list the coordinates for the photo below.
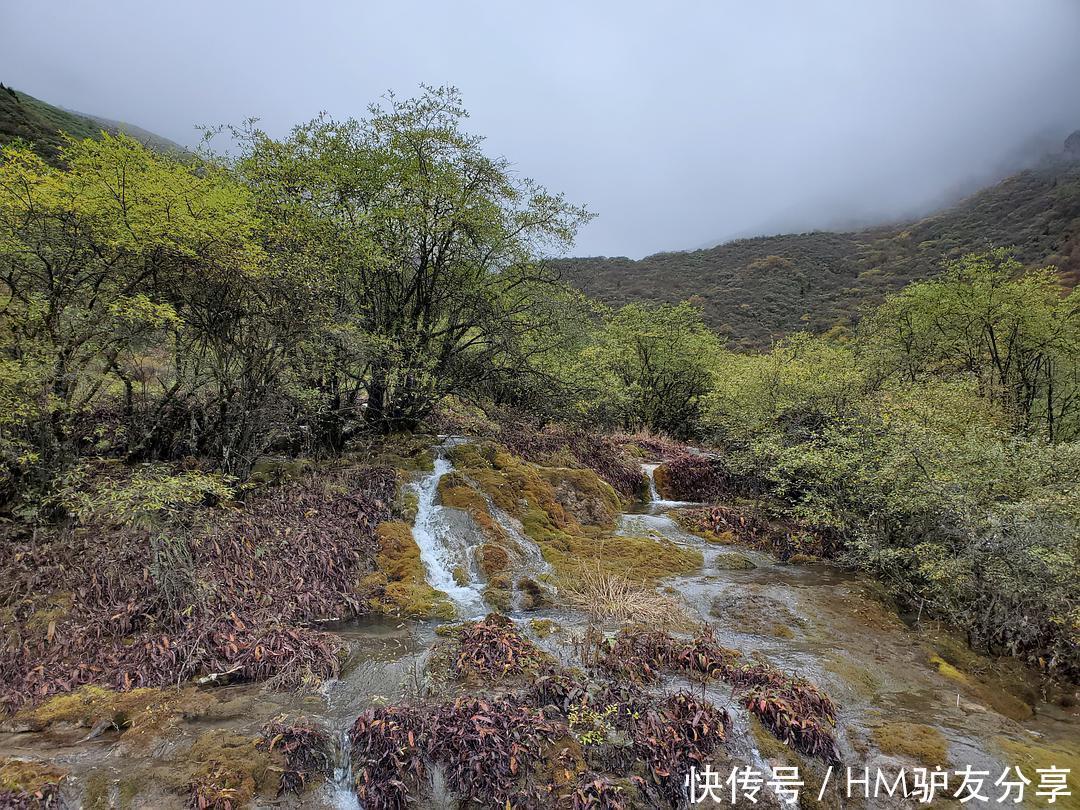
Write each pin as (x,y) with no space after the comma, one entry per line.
(28,776)
(399,583)
(525,491)
(921,743)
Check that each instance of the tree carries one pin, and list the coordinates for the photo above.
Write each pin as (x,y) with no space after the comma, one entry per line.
(1015,333)
(94,254)
(425,255)
(655,366)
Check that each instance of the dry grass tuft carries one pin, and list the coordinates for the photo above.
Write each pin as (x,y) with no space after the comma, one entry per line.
(605,596)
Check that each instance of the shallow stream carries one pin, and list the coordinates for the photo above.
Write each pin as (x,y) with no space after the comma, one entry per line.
(811,619)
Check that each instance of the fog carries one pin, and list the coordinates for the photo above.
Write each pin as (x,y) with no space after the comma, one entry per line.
(679,124)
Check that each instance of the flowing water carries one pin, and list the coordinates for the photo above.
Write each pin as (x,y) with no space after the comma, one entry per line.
(811,619)
(448,555)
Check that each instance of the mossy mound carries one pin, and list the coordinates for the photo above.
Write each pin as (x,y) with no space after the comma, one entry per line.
(544,627)
(662,482)
(734,561)
(584,496)
(230,768)
(406,452)
(531,494)
(1005,684)
(29,783)
(137,713)
(997,698)
(399,584)
(1059,754)
(921,743)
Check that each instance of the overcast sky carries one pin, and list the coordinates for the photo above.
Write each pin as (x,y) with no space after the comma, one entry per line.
(678,123)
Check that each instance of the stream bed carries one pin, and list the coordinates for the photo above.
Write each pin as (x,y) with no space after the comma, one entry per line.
(812,619)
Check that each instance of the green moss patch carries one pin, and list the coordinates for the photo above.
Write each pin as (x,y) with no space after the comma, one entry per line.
(399,584)
(921,743)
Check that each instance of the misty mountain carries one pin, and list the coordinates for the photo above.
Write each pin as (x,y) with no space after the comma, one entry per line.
(759,289)
(30,119)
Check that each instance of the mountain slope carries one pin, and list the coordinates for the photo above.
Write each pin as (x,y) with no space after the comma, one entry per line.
(30,119)
(757,290)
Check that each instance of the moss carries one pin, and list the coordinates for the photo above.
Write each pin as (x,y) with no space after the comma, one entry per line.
(233,767)
(494,559)
(544,627)
(29,776)
(733,561)
(526,492)
(136,712)
(662,481)
(96,796)
(405,452)
(533,597)
(921,743)
(862,680)
(499,598)
(641,558)
(998,699)
(1044,754)
(585,496)
(408,504)
(796,559)
(56,608)
(400,583)
(782,631)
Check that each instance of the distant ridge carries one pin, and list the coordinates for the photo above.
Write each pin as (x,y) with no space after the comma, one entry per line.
(30,119)
(759,289)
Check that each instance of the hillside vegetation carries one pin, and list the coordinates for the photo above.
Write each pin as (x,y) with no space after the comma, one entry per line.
(754,291)
(29,119)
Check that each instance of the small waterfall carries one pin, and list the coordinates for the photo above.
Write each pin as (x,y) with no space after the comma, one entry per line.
(343,786)
(442,550)
(532,559)
(650,473)
(656,503)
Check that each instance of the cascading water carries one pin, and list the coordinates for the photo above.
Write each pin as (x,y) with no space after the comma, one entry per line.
(443,550)
(344,789)
(656,503)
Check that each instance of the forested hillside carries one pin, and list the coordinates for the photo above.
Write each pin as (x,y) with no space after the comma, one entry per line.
(756,290)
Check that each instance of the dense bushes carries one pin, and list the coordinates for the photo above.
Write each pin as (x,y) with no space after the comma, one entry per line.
(931,459)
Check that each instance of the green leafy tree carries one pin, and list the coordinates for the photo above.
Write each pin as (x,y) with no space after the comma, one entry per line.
(426,255)
(653,367)
(1016,333)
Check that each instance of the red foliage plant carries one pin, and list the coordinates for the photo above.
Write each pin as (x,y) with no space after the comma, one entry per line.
(751,528)
(704,479)
(305,747)
(493,649)
(794,709)
(231,596)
